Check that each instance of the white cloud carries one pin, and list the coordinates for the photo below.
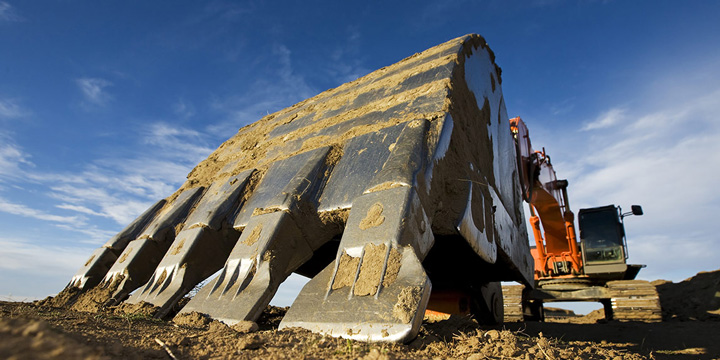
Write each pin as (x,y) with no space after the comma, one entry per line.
(178,142)
(22,210)
(290,81)
(22,259)
(8,13)
(11,109)
(80,209)
(93,90)
(12,158)
(665,157)
(118,188)
(606,119)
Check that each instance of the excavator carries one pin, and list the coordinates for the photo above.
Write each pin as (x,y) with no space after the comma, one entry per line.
(393,193)
(592,269)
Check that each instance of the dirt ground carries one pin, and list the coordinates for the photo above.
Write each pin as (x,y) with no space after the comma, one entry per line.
(691,311)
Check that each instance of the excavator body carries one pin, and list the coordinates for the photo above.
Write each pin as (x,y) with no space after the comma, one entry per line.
(391,192)
(593,268)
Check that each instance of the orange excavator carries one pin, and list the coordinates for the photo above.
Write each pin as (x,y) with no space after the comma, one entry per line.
(591,268)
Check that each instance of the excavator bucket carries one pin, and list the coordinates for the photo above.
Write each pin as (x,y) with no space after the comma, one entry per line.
(381,190)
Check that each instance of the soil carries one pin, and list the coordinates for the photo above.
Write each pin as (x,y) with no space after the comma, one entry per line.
(40,330)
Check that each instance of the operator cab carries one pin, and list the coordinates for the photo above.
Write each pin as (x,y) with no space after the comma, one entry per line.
(602,240)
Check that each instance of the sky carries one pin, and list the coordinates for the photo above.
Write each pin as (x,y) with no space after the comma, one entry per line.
(106,106)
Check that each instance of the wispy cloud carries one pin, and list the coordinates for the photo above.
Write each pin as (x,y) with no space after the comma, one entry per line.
(183,109)
(291,81)
(121,188)
(563,107)
(606,119)
(346,60)
(11,109)
(12,159)
(663,156)
(280,88)
(117,188)
(23,256)
(8,13)
(93,90)
(178,142)
(22,210)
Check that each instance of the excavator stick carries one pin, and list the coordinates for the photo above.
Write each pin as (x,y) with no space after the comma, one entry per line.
(354,187)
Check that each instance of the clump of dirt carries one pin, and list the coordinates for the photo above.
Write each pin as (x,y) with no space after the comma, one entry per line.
(245,327)
(407,303)
(192,319)
(141,308)
(696,298)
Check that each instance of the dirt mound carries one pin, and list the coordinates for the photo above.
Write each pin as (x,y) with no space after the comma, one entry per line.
(36,339)
(696,298)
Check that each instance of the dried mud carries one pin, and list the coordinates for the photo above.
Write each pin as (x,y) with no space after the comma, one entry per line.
(373,218)
(347,268)
(371,270)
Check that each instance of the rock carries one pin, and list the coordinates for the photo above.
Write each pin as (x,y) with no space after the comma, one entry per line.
(492,335)
(245,327)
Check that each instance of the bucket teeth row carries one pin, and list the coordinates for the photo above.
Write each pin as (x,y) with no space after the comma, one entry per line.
(198,250)
(103,258)
(351,188)
(140,257)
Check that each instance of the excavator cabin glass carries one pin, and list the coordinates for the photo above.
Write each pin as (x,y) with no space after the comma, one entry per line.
(601,235)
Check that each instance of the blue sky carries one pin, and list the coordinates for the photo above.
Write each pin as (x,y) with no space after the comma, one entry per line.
(106,106)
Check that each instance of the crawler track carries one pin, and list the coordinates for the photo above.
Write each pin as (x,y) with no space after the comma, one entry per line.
(512,302)
(634,300)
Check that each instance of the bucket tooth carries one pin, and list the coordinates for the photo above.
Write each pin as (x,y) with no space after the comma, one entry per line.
(273,243)
(102,259)
(138,259)
(377,272)
(268,251)
(198,250)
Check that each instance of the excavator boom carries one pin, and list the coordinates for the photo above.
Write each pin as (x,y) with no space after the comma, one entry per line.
(556,253)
